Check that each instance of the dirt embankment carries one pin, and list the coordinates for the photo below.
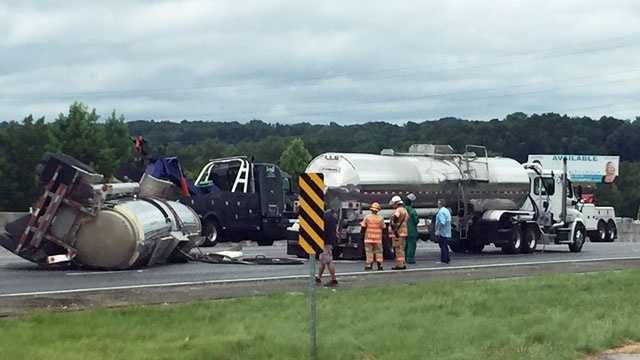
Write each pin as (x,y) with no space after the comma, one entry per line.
(628,349)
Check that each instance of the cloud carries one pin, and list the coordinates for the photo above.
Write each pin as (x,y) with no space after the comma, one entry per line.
(290,61)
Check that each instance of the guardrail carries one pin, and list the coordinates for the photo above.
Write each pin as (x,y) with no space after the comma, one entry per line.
(628,231)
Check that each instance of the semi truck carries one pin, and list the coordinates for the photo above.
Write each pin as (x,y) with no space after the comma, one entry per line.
(240,199)
(493,200)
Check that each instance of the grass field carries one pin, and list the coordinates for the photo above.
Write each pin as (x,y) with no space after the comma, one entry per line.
(549,317)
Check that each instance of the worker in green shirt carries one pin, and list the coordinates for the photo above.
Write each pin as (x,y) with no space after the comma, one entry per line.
(412,227)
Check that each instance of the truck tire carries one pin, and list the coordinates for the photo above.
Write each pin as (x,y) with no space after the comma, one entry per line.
(456,245)
(387,249)
(301,254)
(530,240)
(476,247)
(337,252)
(515,245)
(612,231)
(601,232)
(578,238)
(265,241)
(211,232)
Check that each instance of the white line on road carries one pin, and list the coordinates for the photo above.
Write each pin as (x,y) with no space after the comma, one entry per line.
(102,272)
(293,277)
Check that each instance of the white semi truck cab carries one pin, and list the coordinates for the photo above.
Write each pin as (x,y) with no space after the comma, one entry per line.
(547,194)
(552,214)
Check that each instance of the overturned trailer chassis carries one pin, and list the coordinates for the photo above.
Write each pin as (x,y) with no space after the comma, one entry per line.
(73,223)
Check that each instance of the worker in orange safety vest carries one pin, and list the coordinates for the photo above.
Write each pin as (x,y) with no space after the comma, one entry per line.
(373,227)
(398,231)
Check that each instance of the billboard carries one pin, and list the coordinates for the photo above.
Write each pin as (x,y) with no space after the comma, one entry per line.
(583,168)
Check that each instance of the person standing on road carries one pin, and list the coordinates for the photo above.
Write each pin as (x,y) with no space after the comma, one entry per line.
(412,229)
(372,228)
(398,231)
(326,257)
(443,231)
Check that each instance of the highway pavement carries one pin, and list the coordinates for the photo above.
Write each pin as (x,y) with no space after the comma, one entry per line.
(22,278)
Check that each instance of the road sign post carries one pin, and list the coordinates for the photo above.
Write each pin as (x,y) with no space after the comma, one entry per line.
(313,352)
(311,239)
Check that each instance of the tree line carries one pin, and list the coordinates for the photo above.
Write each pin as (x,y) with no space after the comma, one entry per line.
(105,144)
(81,133)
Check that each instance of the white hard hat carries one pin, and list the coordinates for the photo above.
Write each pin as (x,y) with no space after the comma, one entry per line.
(396,200)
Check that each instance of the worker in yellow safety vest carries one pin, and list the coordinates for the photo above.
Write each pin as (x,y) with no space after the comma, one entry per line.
(398,231)
(373,227)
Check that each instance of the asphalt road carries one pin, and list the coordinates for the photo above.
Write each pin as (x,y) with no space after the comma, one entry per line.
(20,278)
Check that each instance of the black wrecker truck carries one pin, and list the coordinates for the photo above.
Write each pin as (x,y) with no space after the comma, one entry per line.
(240,199)
(235,197)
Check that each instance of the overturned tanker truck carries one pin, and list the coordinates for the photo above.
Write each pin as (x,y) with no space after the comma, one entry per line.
(494,200)
(79,220)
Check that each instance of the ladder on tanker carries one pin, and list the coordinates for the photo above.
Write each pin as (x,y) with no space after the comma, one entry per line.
(44,214)
(463,221)
(475,167)
(42,217)
(472,168)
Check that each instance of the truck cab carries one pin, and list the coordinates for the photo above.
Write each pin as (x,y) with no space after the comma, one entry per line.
(546,193)
(547,198)
(239,199)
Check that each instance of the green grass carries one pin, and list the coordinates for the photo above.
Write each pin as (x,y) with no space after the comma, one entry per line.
(549,317)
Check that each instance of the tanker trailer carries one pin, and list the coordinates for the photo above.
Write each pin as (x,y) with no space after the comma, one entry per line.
(75,222)
(489,196)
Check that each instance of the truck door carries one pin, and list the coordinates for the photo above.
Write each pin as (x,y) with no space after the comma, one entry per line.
(271,191)
(245,216)
(230,194)
(544,194)
(222,176)
(269,185)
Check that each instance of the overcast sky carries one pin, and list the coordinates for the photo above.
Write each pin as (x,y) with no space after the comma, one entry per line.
(342,61)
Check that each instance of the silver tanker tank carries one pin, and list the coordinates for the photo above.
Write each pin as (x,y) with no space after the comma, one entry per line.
(135,233)
(104,226)
(430,172)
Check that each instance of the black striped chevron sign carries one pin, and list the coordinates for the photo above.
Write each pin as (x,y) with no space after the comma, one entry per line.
(311,213)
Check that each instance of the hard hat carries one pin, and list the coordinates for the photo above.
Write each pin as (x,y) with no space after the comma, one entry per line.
(396,200)
(411,197)
(374,207)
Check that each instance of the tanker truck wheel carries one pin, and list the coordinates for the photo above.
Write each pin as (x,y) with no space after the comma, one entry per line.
(211,232)
(456,245)
(387,249)
(265,241)
(515,244)
(476,247)
(612,231)
(530,240)
(601,233)
(578,238)
(337,252)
